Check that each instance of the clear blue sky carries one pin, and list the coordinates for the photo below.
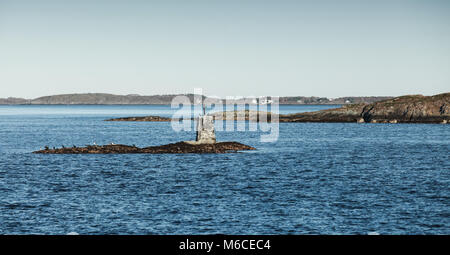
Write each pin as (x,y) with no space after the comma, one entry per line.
(228,48)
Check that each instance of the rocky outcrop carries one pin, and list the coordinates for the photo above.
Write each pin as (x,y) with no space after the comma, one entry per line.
(410,109)
(248,115)
(227,115)
(404,109)
(144,118)
(205,142)
(350,113)
(173,148)
(324,100)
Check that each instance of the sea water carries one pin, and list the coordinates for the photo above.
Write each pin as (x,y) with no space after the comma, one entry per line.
(317,178)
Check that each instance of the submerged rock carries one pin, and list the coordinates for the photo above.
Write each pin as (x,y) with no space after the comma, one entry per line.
(173,148)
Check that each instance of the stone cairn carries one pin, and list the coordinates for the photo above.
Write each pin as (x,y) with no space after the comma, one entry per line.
(205,130)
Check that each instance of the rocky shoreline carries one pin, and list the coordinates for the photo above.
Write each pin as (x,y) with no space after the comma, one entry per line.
(404,109)
(173,148)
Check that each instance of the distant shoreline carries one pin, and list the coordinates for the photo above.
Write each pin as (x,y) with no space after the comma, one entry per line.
(405,109)
(110,99)
(145,104)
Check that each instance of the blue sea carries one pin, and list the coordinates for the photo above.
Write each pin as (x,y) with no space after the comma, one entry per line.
(317,178)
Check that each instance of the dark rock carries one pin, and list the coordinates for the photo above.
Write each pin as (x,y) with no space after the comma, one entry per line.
(180,147)
(144,118)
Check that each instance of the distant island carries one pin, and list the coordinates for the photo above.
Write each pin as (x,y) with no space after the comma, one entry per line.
(404,109)
(133,99)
